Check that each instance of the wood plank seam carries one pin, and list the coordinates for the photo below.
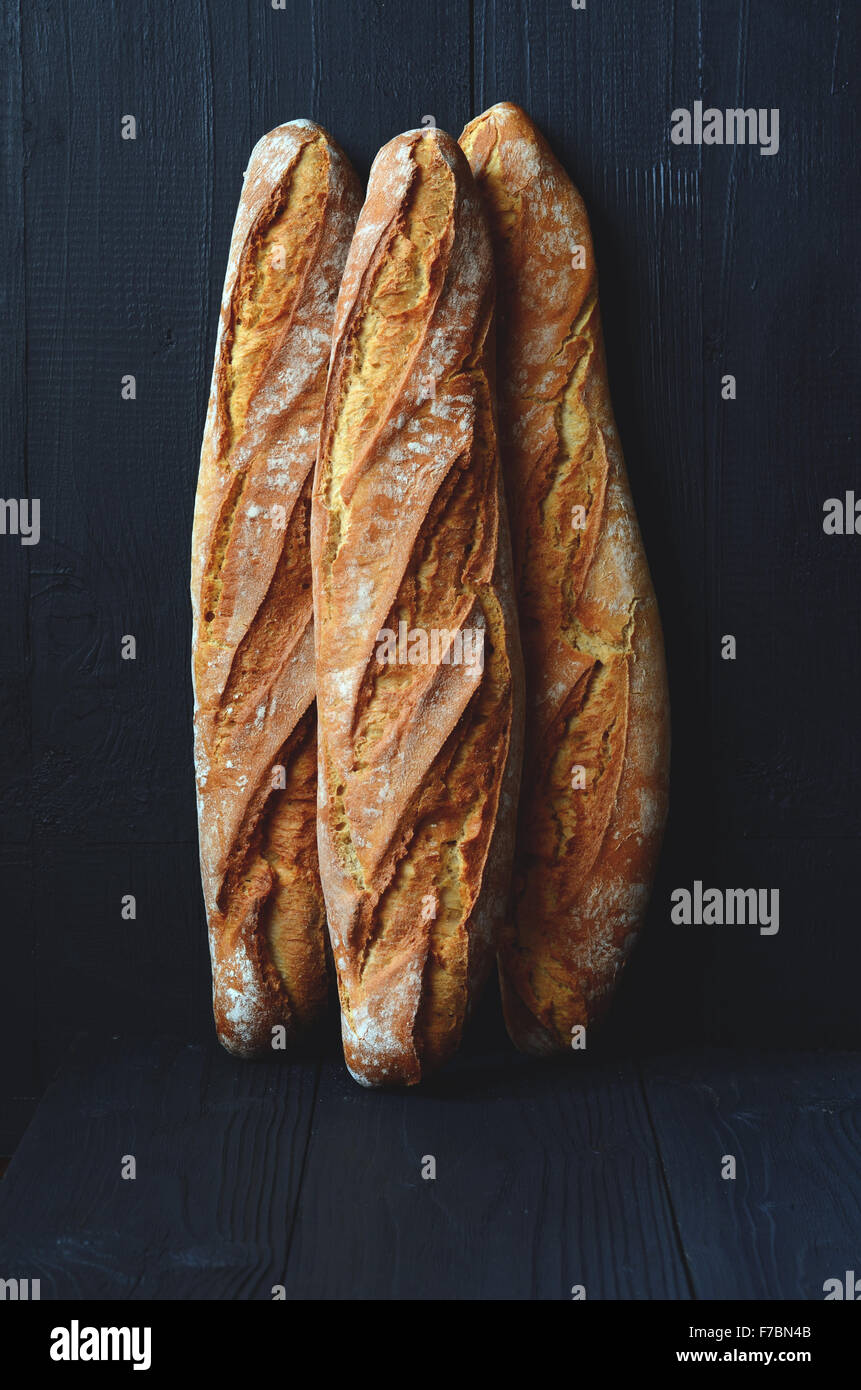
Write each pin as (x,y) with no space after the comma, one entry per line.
(689,1277)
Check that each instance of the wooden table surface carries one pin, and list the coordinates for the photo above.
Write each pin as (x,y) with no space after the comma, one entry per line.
(605,1174)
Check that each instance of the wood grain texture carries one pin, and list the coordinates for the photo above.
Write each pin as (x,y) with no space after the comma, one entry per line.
(15,656)
(558,1184)
(601,1174)
(196,1221)
(115,284)
(546,1177)
(380,66)
(19,1079)
(790,1218)
(779,288)
(113,257)
(757,993)
(127,971)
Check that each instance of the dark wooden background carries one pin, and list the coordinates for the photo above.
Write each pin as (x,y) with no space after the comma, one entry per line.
(712,260)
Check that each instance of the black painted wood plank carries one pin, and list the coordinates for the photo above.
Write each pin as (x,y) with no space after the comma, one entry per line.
(797,987)
(99,969)
(546,1178)
(790,1219)
(730,985)
(226,138)
(219,1148)
(780,293)
(18,1078)
(380,66)
(579,1172)
(115,285)
(283,65)
(15,557)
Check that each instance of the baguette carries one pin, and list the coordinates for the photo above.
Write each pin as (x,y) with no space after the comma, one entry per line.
(595,789)
(253,658)
(418,662)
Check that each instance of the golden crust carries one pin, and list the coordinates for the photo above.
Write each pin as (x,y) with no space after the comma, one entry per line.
(596,682)
(418,759)
(253,658)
